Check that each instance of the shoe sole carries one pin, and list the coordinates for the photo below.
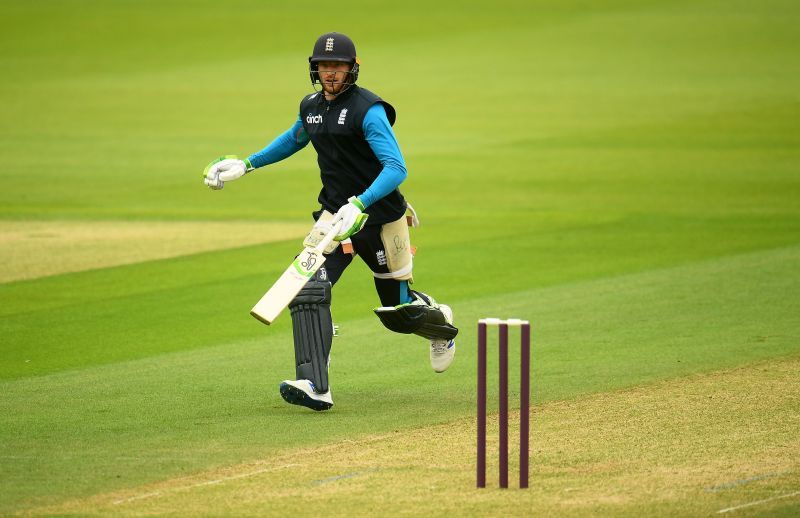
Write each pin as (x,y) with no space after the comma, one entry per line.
(295,396)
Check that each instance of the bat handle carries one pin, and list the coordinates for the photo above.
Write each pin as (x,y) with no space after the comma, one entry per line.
(329,237)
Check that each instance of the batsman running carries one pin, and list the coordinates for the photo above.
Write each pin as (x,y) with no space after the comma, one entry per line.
(361,168)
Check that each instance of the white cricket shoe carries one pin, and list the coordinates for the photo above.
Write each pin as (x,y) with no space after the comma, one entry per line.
(443,351)
(303,393)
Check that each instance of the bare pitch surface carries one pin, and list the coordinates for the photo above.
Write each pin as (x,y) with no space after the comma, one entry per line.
(32,249)
(718,442)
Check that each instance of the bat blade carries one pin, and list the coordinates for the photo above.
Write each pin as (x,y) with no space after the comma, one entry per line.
(293,279)
(288,285)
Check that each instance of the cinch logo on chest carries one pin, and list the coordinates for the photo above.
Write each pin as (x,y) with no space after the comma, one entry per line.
(314,119)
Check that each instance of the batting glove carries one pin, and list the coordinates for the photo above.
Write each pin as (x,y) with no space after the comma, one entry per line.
(225,169)
(352,217)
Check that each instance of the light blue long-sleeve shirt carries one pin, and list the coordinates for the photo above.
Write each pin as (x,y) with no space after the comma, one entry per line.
(380,137)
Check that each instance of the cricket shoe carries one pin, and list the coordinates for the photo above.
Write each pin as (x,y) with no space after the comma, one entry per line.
(443,351)
(303,393)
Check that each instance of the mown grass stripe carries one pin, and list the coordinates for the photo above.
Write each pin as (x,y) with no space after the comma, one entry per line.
(186,410)
(593,454)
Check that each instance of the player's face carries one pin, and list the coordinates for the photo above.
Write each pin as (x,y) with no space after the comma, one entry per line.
(333,74)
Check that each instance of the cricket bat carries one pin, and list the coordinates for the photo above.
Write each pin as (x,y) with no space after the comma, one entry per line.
(293,279)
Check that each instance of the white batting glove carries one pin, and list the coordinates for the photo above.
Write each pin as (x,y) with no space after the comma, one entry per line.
(352,217)
(225,169)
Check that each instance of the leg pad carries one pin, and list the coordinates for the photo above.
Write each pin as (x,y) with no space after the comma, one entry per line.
(313,331)
(422,320)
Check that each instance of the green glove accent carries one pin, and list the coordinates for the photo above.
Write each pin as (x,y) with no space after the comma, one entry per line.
(248,166)
(359,222)
(220,159)
(355,201)
(361,219)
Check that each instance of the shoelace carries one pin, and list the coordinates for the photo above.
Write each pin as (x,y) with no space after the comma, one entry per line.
(439,347)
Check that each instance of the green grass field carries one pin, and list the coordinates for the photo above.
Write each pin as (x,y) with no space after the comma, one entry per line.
(624,174)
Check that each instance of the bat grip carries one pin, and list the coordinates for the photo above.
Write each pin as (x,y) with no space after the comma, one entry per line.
(329,237)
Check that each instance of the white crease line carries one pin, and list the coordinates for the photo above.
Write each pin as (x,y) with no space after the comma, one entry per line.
(757,502)
(200,484)
(743,481)
(342,477)
(137,497)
